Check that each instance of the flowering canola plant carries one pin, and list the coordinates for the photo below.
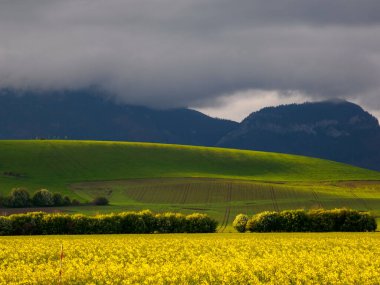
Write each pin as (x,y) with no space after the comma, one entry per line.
(331,258)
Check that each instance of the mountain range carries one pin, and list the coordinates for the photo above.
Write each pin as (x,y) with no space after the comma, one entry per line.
(335,130)
(84,116)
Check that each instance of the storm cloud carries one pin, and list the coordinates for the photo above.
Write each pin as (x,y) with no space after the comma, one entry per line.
(174,53)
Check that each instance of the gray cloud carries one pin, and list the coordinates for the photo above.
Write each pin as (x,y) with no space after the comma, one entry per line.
(172,53)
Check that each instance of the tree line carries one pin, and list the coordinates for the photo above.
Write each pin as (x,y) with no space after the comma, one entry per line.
(337,220)
(20,198)
(144,222)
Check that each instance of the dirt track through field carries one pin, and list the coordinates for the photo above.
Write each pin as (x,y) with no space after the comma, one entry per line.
(227,212)
(274,200)
(361,200)
(317,199)
(185,194)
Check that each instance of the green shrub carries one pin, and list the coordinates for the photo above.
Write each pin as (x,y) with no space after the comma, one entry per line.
(200,223)
(27,224)
(170,223)
(3,201)
(295,221)
(312,221)
(57,224)
(129,222)
(66,201)
(358,222)
(58,199)
(19,198)
(321,221)
(149,221)
(100,201)
(266,222)
(240,223)
(82,224)
(109,224)
(43,198)
(75,202)
(5,226)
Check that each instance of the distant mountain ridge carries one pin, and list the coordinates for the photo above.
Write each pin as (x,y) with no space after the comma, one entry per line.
(336,130)
(81,115)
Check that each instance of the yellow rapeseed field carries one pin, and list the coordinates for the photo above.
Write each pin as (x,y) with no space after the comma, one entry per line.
(333,258)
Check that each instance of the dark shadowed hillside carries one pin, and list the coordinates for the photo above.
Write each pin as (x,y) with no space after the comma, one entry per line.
(80,115)
(335,130)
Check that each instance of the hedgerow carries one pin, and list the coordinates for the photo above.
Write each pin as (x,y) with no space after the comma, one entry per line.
(39,223)
(337,220)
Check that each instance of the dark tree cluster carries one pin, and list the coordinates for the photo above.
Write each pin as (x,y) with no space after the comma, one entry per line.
(20,198)
(144,222)
(337,220)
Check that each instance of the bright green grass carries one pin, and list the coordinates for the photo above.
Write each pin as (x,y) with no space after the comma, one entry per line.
(255,180)
(56,164)
(223,199)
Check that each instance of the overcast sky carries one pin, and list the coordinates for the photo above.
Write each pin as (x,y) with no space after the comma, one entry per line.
(220,56)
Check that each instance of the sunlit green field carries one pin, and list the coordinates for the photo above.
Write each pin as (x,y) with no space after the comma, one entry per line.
(223,199)
(219,182)
(57,164)
(330,258)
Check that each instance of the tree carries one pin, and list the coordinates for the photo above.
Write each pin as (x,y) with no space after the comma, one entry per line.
(66,201)
(3,201)
(58,199)
(19,198)
(43,198)
(100,201)
(240,223)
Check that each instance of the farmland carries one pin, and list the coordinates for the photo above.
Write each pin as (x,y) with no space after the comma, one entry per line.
(219,182)
(223,199)
(334,258)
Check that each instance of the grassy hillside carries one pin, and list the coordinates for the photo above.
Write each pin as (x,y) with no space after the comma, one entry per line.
(156,176)
(57,163)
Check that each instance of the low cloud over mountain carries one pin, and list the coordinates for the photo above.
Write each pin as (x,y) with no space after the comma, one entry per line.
(175,53)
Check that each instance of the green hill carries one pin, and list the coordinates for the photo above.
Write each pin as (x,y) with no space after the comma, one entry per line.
(121,170)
